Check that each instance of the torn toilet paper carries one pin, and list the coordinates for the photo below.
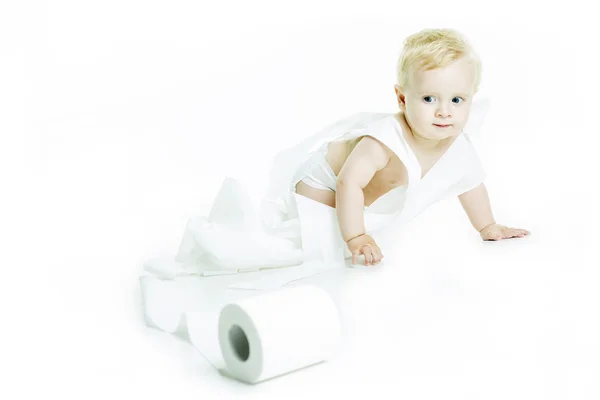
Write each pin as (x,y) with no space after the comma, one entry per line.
(282,228)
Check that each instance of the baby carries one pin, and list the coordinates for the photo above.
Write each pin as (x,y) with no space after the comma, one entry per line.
(438,75)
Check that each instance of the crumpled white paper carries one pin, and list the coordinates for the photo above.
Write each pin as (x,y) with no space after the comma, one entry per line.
(244,233)
(247,232)
(233,239)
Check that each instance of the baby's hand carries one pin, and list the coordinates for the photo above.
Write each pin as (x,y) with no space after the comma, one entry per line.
(364,244)
(499,232)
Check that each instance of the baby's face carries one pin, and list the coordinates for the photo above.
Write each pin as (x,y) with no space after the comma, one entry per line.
(441,96)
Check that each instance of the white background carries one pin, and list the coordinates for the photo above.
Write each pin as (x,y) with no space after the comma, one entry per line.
(119,120)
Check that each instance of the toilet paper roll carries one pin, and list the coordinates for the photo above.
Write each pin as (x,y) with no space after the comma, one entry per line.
(265,336)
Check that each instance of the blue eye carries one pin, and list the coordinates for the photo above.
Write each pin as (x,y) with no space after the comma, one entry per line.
(431,97)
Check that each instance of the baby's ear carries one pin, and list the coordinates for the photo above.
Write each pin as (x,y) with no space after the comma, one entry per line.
(479,110)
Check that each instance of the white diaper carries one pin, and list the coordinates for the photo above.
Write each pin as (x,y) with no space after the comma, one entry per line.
(316,171)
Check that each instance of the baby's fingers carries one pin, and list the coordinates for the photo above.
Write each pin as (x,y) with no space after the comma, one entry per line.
(521,232)
(511,232)
(366,250)
(377,254)
(355,256)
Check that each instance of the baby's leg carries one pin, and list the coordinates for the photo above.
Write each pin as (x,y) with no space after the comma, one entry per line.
(325,196)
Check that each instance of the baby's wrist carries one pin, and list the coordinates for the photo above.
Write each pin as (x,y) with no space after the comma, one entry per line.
(354,237)
(487,226)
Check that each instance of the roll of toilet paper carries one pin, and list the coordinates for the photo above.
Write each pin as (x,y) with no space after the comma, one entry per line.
(268,335)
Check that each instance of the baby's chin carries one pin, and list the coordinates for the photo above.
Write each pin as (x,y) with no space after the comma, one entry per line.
(442,133)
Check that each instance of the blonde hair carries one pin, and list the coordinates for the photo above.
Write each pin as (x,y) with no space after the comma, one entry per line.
(435,48)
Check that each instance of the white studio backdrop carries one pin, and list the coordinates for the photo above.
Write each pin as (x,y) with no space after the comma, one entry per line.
(120,120)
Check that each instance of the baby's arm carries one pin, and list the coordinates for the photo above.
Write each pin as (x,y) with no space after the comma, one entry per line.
(368,157)
(476,204)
